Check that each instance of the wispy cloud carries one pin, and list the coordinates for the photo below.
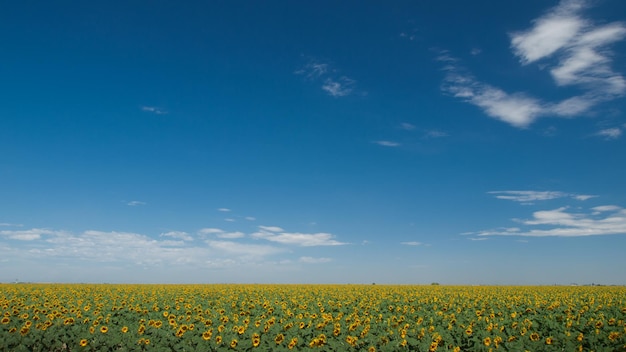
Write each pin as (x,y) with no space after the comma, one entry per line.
(601,220)
(412,243)
(243,249)
(313,69)
(311,260)
(209,231)
(271,228)
(583,59)
(297,239)
(407,126)
(135,203)
(231,235)
(339,87)
(333,83)
(436,134)
(180,235)
(610,133)
(527,197)
(387,143)
(225,210)
(154,110)
(250,218)
(29,235)
(8,224)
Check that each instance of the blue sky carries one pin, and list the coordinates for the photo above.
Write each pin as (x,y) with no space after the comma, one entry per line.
(313,142)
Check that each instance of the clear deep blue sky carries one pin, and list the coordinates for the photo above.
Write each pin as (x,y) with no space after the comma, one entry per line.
(462,142)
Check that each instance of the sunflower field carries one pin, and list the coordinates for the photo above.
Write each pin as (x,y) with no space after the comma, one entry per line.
(68,317)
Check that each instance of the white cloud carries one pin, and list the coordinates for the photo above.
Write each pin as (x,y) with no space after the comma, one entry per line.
(550,32)
(178,235)
(603,220)
(250,218)
(528,197)
(244,249)
(583,197)
(610,133)
(412,243)
(313,69)
(407,126)
(298,239)
(311,260)
(582,59)
(10,224)
(135,203)
(387,143)
(231,235)
(332,83)
(223,210)
(340,87)
(229,220)
(271,228)
(28,235)
(154,110)
(208,231)
(435,134)
(518,110)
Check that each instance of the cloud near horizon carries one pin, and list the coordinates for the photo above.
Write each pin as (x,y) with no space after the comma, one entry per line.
(117,248)
(601,220)
(582,57)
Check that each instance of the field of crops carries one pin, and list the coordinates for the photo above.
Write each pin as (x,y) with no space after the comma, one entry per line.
(317,317)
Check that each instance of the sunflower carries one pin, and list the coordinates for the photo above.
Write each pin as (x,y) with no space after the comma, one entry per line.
(292,343)
(549,340)
(207,335)
(233,343)
(433,346)
(468,331)
(24,330)
(487,341)
(279,339)
(218,340)
(83,343)
(614,335)
(5,320)
(125,329)
(534,336)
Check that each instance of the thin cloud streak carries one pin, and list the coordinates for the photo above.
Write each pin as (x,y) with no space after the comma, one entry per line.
(154,110)
(531,196)
(387,143)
